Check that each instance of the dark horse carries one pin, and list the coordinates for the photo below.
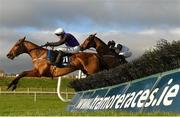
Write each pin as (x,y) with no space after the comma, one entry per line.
(89,63)
(111,58)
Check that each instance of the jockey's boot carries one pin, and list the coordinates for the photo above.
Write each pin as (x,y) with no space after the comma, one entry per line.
(58,58)
(122,59)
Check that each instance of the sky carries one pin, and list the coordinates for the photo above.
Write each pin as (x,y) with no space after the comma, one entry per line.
(138,24)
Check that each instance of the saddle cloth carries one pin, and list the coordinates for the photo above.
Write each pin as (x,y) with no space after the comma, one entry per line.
(65,59)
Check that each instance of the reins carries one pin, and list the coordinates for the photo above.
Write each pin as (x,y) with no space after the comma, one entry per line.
(36,48)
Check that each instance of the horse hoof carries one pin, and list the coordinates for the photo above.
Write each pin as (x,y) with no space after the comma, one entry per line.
(9,86)
(14,87)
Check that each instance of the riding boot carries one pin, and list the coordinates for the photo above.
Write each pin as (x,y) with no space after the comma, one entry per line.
(58,58)
(122,59)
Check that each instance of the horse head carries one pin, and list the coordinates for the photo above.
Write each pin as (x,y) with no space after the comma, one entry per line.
(17,49)
(89,42)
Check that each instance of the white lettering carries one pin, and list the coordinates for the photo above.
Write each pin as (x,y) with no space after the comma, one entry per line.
(133,104)
(104,102)
(94,102)
(110,102)
(115,100)
(151,97)
(80,103)
(143,98)
(163,93)
(119,101)
(125,99)
(128,102)
(170,94)
(98,104)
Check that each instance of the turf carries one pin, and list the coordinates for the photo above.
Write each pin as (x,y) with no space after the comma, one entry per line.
(23,105)
(36,83)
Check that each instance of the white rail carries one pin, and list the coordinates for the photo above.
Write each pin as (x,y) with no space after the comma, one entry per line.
(59,91)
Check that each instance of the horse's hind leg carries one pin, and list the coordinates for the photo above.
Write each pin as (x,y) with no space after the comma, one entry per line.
(31,73)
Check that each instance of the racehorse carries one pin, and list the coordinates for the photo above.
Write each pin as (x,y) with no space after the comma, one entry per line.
(89,63)
(111,58)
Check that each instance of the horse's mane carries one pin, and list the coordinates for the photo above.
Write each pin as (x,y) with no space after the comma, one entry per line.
(106,46)
(31,43)
(101,41)
(34,44)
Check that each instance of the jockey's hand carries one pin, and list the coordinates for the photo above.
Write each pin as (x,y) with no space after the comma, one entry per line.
(81,49)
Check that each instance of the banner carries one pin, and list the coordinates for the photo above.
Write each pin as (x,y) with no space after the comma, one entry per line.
(159,92)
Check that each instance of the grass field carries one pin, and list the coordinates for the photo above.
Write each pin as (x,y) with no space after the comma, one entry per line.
(45,83)
(24,105)
(48,105)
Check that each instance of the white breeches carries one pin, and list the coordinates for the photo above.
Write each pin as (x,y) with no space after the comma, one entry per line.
(124,51)
(126,54)
(75,49)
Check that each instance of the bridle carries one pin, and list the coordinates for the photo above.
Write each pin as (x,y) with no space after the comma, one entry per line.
(22,49)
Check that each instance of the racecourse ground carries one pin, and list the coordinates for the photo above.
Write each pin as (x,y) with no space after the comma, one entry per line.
(49,105)
(46,104)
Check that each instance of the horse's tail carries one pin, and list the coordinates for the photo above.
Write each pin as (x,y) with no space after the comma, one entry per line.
(103,64)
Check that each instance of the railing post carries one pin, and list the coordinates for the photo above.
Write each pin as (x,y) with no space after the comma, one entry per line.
(28,90)
(14,92)
(66,94)
(35,96)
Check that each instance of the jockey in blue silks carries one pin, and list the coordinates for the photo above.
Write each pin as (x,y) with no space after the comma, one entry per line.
(72,45)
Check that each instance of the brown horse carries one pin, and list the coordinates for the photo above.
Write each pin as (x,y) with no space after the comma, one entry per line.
(111,58)
(89,63)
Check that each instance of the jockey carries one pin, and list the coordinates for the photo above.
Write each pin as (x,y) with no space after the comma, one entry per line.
(64,38)
(111,44)
(121,50)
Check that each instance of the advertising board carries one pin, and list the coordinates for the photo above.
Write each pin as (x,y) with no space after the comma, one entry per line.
(159,92)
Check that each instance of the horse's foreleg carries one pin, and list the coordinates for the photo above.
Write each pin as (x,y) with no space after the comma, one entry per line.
(31,73)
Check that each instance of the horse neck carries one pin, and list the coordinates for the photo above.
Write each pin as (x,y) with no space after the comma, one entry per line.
(32,51)
(102,48)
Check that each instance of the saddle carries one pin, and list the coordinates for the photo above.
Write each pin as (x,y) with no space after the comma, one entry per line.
(65,58)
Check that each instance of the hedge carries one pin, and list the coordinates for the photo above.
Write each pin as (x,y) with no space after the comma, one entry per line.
(163,57)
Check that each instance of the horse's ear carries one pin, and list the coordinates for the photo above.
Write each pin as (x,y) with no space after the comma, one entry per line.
(94,34)
(24,38)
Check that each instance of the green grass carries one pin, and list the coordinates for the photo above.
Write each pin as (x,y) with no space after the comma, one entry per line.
(23,105)
(36,83)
